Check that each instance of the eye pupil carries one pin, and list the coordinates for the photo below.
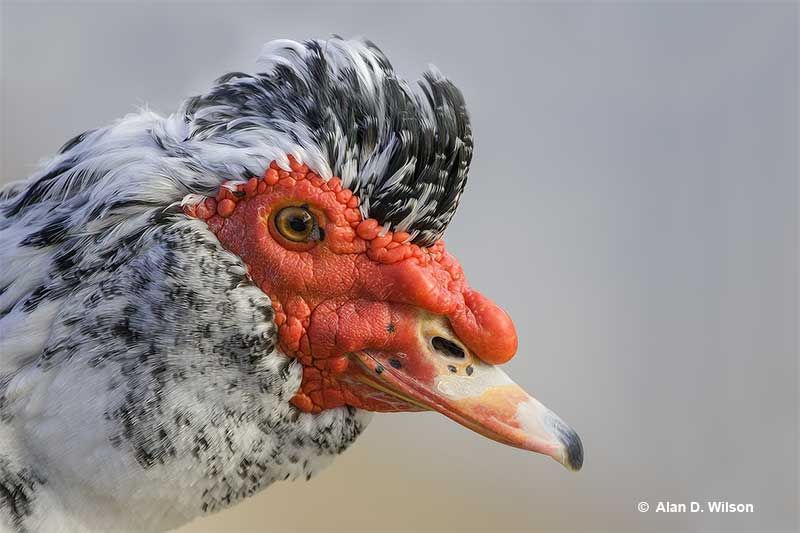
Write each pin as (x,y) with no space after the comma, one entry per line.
(298,224)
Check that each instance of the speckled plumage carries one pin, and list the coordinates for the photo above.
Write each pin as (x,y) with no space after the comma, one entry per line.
(140,382)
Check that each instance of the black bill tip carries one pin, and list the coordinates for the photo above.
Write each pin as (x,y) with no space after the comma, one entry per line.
(574,446)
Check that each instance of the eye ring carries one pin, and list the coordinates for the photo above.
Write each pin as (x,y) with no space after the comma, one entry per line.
(296,227)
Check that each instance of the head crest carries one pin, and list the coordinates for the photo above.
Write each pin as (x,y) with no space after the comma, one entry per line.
(405,153)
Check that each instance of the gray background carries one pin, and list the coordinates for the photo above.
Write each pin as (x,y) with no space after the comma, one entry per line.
(633,204)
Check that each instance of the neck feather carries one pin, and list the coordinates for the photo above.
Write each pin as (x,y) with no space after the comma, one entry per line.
(159,393)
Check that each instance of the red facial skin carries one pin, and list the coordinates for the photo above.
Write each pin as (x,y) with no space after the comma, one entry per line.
(357,289)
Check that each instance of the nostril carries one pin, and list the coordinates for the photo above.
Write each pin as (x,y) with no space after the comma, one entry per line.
(447,347)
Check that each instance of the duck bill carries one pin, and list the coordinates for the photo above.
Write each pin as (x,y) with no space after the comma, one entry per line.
(477,395)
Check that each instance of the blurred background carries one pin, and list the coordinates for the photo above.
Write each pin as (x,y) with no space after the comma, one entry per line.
(633,204)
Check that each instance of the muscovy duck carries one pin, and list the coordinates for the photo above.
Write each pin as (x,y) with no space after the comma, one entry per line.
(195,306)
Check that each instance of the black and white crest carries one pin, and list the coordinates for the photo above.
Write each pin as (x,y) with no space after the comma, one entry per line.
(335,105)
(405,153)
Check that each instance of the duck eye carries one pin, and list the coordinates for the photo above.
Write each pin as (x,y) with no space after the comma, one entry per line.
(296,224)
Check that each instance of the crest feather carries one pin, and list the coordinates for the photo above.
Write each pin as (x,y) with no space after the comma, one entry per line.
(406,153)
